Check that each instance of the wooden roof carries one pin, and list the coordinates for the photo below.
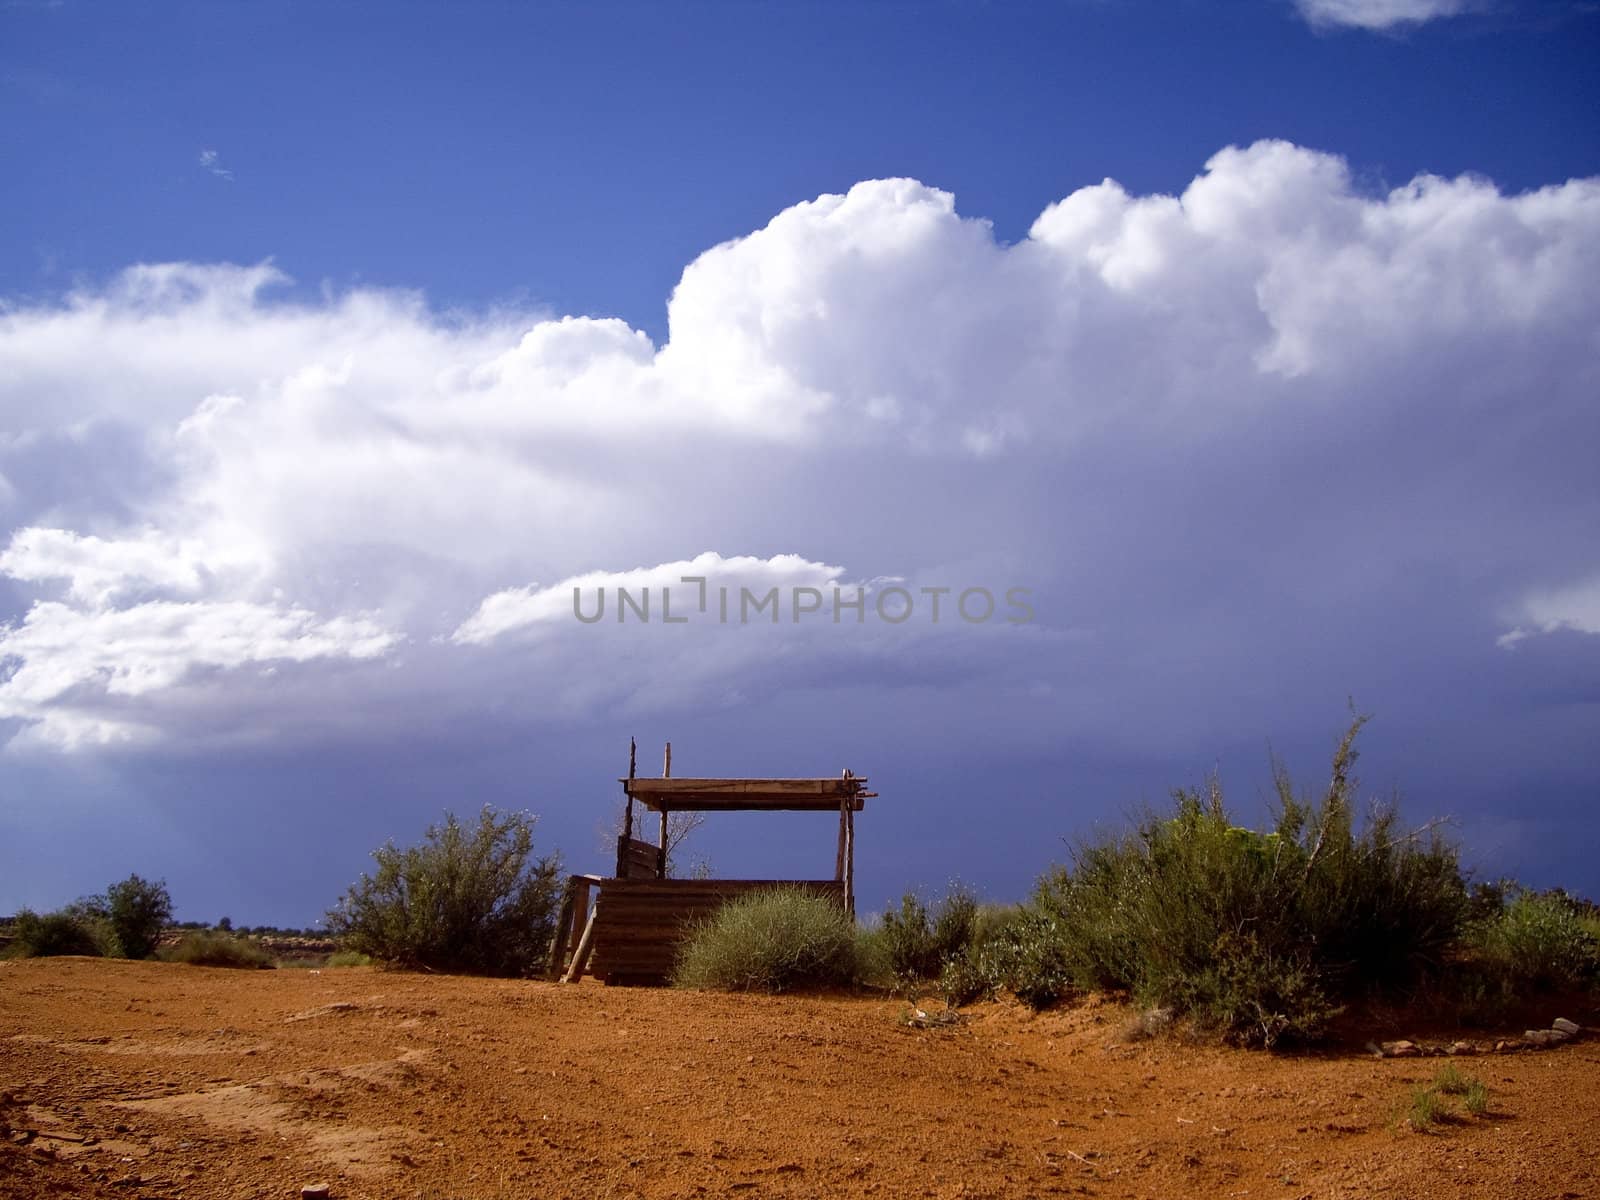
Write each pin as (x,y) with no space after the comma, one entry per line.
(772,795)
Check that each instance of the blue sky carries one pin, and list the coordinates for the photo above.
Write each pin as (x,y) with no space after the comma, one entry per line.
(577,156)
(335,345)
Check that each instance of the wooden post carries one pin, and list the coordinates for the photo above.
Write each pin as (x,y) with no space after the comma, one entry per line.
(580,957)
(838,858)
(850,856)
(558,944)
(580,904)
(633,751)
(627,815)
(575,916)
(666,773)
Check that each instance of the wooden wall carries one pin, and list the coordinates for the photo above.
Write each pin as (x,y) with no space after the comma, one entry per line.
(637,859)
(639,922)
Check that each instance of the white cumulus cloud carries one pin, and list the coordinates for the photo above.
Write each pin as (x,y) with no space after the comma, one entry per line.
(1575,607)
(70,670)
(98,571)
(581,597)
(1196,424)
(1381,14)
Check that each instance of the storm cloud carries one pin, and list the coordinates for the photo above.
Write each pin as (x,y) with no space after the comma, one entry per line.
(1252,448)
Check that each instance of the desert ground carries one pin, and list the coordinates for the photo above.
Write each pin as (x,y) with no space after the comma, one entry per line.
(128,1080)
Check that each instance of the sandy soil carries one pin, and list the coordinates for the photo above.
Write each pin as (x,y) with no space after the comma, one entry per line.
(154,1080)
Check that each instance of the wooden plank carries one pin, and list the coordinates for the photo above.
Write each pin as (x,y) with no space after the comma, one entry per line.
(580,957)
(657,956)
(828,786)
(627,817)
(612,888)
(747,803)
(557,960)
(795,795)
(838,858)
(850,861)
(637,859)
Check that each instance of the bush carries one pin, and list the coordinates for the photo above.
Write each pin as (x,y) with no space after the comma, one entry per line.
(125,922)
(916,944)
(467,899)
(1533,944)
(202,949)
(775,940)
(137,911)
(1018,948)
(976,969)
(349,958)
(57,933)
(1260,935)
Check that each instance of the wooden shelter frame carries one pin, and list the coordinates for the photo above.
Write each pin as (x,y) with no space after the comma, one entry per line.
(625,928)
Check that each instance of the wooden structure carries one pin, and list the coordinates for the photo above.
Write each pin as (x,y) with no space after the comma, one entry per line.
(625,929)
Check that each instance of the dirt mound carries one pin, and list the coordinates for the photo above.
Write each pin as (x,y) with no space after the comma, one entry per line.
(156,1080)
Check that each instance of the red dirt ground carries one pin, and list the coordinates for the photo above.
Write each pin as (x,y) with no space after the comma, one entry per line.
(156,1080)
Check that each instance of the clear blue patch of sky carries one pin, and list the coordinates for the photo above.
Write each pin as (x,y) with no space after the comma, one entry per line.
(578,156)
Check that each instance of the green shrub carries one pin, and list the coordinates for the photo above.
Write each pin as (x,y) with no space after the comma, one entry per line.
(992,922)
(201,949)
(124,922)
(466,899)
(1259,935)
(775,940)
(1012,946)
(1521,945)
(1032,960)
(137,911)
(965,979)
(873,964)
(349,958)
(66,932)
(917,943)
(1543,941)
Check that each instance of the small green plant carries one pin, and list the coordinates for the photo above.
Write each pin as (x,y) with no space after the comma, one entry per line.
(1451,1081)
(1430,1104)
(774,940)
(1477,1098)
(1426,1108)
(203,949)
(349,958)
